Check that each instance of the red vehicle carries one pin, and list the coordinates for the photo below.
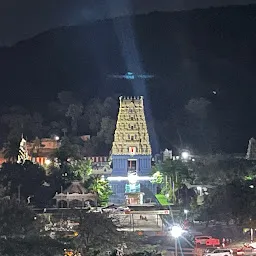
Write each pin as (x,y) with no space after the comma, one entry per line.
(201,240)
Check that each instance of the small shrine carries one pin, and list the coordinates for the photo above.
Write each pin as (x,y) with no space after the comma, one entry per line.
(75,196)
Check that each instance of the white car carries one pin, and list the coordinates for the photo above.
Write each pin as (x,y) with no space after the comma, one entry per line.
(220,252)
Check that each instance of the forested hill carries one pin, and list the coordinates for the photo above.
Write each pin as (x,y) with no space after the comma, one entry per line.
(191,54)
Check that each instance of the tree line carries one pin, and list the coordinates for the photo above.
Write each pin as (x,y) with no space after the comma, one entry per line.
(70,116)
(67,117)
(230,188)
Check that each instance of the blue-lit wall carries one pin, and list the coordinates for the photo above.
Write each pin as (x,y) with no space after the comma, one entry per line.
(118,189)
(120,168)
(120,165)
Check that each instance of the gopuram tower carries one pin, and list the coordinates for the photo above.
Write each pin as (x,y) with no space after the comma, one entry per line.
(131,155)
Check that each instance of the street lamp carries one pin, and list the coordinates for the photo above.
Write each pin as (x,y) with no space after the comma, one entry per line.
(176,232)
(186,213)
(56,137)
(185,155)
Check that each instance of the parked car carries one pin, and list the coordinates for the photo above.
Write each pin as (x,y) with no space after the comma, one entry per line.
(201,239)
(220,252)
(247,248)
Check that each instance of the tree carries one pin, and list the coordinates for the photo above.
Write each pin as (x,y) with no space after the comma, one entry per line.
(81,169)
(68,151)
(18,121)
(23,179)
(235,200)
(96,110)
(101,187)
(64,114)
(94,113)
(219,170)
(173,175)
(74,112)
(97,232)
(21,232)
(107,128)
(12,150)
(16,218)
(40,246)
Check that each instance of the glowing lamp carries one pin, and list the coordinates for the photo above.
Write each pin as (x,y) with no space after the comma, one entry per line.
(48,161)
(176,231)
(132,178)
(185,155)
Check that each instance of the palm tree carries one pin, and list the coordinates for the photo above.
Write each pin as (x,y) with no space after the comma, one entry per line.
(12,151)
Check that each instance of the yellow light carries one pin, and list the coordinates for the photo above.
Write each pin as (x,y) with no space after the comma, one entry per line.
(48,161)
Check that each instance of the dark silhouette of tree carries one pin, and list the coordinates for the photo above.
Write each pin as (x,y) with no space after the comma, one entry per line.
(12,150)
(107,129)
(74,112)
(21,231)
(68,150)
(22,180)
(16,218)
(235,200)
(97,232)
(218,170)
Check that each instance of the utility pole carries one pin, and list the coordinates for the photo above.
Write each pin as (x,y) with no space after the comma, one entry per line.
(19,194)
(61,191)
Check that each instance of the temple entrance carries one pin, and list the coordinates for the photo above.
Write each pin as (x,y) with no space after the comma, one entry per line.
(62,204)
(76,204)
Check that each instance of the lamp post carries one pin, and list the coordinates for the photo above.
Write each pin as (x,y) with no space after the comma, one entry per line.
(176,232)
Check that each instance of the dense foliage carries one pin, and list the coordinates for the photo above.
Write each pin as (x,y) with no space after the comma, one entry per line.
(66,117)
(229,187)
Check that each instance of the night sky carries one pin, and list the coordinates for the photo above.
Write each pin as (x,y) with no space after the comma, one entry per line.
(22,19)
(195,54)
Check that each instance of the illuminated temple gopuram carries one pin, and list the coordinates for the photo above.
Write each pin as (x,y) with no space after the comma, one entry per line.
(131,155)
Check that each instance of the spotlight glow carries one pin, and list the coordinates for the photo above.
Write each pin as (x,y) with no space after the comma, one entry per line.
(185,155)
(176,231)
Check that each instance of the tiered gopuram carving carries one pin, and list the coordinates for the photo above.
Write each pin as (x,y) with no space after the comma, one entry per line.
(131,135)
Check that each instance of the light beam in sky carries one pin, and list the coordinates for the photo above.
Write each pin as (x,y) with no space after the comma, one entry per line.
(127,39)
